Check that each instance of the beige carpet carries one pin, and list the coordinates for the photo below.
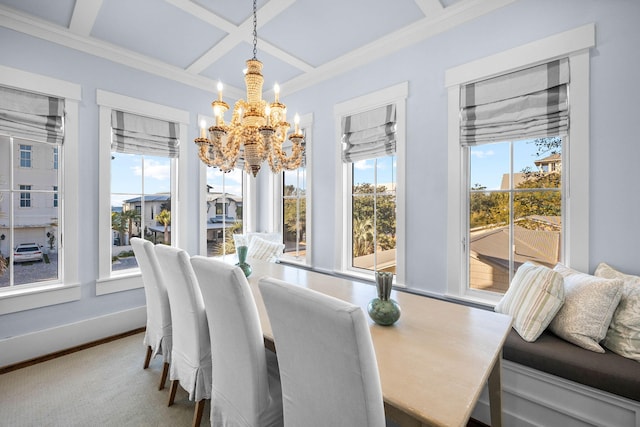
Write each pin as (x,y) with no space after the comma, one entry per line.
(100,386)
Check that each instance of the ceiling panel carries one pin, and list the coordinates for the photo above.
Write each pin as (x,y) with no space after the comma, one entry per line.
(319,31)
(156,29)
(58,12)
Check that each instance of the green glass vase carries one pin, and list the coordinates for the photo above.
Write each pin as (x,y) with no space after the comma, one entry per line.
(242,260)
(383,310)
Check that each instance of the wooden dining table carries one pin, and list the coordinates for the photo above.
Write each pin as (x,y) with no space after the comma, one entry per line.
(434,361)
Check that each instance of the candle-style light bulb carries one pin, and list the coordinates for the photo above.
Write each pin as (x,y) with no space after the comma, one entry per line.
(267,113)
(203,125)
(218,115)
(276,91)
(296,120)
(219,90)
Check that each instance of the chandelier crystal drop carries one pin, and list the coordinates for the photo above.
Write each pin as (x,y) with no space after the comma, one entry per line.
(257,129)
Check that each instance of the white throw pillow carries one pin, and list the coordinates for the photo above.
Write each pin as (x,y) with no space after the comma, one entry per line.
(589,303)
(535,295)
(623,336)
(260,248)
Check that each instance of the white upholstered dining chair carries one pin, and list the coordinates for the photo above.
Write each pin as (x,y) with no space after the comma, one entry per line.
(246,387)
(157,336)
(328,366)
(191,352)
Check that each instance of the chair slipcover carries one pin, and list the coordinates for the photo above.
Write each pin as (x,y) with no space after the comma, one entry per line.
(191,353)
(246,386)
(327,363)
(158,332)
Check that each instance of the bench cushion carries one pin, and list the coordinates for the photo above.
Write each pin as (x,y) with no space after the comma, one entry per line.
(605,371)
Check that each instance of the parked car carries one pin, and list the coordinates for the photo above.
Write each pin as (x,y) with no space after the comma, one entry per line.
(27,252)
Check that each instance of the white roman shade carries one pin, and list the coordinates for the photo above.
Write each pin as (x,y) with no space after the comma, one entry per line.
(530,103)
(31,116)
(134,134)
(369,134)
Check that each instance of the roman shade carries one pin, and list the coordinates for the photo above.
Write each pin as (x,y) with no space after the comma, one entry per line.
(530,103)
(134,134)
(369,134)
(31,116)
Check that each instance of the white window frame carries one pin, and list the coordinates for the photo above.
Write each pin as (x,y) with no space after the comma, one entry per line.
(575,45)
(116,281)
(397,95)
(67,287)
(306,123)
(28,157)
(248,197)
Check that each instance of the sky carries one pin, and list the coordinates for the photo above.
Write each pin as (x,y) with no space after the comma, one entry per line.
(490,161)
(386,171)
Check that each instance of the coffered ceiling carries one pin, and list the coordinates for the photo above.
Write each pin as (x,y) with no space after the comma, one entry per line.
(198,42)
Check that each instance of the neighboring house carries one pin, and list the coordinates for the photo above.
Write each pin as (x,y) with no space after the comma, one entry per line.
(35,201)
(223,210)
(153,205)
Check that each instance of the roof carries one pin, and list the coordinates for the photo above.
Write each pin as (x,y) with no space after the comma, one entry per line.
(540,246)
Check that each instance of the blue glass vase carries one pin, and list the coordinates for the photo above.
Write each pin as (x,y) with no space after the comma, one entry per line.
(242,260)
(383,310)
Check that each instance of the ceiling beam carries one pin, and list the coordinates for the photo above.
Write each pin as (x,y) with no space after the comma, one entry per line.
(241,33)
(430,7)
(84,16)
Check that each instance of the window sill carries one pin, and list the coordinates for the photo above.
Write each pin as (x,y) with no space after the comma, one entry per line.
(478,298)
(120,283)
(28,298)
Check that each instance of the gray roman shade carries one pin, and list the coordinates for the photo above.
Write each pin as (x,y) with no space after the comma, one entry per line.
(31,116)
(369,134)
(134,134)
(530,103)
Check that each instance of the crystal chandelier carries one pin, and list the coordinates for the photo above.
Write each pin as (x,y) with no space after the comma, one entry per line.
(256,126)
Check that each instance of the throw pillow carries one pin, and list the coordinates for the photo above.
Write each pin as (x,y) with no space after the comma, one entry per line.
(623,336)
(260,248)
(589,303)
(535,295)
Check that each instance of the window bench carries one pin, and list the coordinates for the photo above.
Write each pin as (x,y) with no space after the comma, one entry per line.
(553,382)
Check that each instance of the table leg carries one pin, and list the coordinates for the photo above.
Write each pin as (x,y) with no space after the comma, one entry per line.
(495,394)
(399,417)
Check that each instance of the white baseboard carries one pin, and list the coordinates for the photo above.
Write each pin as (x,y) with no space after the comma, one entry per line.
(533,398)
(25,347)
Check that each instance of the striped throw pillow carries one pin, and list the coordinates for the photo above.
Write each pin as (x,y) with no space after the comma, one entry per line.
(535,295)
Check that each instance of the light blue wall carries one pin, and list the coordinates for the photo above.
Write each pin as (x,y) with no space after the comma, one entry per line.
(615,204)
(615,152)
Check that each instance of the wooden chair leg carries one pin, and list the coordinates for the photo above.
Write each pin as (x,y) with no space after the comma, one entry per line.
(197,414)
(163,378)
(147,358)
(172,391)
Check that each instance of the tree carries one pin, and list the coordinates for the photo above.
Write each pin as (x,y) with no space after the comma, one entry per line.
(129,217)
(362,236)
(164,218)
(118,223)
(385,210)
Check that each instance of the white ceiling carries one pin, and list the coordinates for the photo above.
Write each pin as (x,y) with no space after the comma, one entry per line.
(199,42)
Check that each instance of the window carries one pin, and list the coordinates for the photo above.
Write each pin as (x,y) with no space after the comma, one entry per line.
(515,211)
(37,269)
(139,150)
(25,156)
(371,200)
(55,158)
(292,202)
(25,196)
(55,196)
(507,182)
(224,200)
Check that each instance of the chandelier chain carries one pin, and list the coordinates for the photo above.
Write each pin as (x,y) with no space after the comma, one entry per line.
(255,30)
